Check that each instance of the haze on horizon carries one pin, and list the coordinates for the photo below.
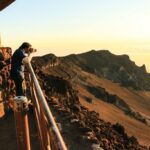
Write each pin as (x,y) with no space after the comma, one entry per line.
(66,27)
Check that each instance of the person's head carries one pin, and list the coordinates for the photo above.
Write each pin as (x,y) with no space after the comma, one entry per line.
(26,46)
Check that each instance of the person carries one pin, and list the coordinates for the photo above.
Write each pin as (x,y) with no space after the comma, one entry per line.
(19,59)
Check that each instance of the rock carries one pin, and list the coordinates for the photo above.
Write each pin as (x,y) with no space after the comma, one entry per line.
(76,108)
(6,85)
(81,116)
(82,124)
(89,133)
(96,147)
(119,128)
(74,120)
(85,137)
(94,140)
(85,129)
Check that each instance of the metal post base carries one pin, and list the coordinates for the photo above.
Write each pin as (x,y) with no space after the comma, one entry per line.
(21,121)
(21,104)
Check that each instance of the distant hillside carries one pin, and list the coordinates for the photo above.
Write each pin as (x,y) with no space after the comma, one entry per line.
(117,68)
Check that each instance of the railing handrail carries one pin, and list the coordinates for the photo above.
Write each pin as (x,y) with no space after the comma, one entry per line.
(46,109)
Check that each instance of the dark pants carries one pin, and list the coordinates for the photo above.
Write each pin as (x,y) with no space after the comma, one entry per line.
(20,86)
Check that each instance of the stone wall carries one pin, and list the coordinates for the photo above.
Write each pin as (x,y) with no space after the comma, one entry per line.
(6,85)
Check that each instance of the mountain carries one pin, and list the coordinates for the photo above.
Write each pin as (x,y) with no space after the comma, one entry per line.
(111,85)
(119,69)
(91,111)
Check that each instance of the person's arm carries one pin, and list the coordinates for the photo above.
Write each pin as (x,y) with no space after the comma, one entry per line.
(25,60)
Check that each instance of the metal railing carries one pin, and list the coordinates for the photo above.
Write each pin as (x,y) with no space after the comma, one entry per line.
(49,135)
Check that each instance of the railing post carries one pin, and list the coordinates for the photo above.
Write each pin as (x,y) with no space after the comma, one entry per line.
(42,126)
(21,121)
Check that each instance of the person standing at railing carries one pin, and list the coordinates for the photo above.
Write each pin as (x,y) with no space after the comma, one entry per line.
(19,59)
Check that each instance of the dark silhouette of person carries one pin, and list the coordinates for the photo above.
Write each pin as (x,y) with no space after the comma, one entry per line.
(19,60)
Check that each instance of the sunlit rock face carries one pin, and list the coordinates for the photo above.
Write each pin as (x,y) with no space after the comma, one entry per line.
(6,85)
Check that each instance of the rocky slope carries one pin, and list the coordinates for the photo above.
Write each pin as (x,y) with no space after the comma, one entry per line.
(80,124)
(120,69)
(112,99)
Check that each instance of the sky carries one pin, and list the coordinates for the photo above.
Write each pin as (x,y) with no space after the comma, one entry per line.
(64,27)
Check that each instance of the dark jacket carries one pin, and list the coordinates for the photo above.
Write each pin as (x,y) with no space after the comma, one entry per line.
(17,67)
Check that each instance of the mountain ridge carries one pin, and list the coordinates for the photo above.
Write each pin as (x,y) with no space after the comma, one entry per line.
(117,68)
(131,102)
